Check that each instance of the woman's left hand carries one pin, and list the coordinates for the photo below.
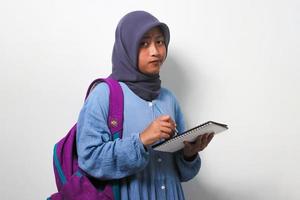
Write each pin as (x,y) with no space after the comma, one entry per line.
(191,149)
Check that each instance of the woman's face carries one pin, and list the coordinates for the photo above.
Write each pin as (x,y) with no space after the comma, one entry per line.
(152,52)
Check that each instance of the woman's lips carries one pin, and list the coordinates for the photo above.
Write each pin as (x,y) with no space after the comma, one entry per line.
(155,61)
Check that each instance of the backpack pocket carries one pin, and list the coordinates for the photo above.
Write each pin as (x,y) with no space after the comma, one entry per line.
(80,187)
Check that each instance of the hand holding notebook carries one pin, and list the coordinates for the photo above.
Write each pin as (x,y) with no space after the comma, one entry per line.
(176,143)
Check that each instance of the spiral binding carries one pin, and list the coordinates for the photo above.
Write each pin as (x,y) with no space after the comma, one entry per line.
(186,133)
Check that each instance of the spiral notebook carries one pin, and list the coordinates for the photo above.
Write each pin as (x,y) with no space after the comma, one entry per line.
(176,143)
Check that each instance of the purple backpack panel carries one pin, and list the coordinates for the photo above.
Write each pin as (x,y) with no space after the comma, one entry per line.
(72,183)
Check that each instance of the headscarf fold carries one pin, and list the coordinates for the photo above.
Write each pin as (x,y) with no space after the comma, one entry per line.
(129,32)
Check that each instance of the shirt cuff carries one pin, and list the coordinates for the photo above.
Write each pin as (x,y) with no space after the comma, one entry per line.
(143,149)
(189,162)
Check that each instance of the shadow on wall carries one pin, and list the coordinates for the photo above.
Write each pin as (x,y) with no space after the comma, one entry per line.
(175,77)
(184,84)
(197,190)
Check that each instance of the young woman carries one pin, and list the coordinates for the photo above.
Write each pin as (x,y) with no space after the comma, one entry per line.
(151,113)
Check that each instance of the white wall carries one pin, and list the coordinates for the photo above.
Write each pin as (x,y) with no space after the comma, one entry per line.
(231,61)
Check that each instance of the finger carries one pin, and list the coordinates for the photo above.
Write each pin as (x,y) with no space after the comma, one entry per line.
(172,121)
(164,135)
(165,118)
(204,139)
(207,136)
(200,143)
(167,130)
(197,145)
(199,139)
(210,137)
(187,145)
(167,125)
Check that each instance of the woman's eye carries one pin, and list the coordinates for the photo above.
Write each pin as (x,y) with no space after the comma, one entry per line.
(144,44)
(160,42)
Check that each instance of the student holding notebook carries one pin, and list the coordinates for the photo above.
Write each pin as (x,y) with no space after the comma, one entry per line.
(141,44)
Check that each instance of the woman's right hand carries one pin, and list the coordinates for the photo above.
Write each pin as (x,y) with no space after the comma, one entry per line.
(161,128)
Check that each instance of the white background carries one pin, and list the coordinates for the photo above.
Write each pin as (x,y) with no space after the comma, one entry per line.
(234,61)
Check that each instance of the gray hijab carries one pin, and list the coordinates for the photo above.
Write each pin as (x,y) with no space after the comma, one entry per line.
(129,32)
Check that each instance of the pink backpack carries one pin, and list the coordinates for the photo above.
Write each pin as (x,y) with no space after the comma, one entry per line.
(73,183)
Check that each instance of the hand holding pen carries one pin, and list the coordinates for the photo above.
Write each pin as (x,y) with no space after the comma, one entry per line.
(163,127)
(176,132)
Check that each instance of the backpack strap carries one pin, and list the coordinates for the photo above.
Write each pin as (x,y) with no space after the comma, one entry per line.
(115,117)
(116,105)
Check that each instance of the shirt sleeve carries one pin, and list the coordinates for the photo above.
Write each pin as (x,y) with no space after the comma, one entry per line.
(97,154)
(186,169)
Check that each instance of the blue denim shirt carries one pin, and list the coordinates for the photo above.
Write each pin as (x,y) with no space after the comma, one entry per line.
(150,174)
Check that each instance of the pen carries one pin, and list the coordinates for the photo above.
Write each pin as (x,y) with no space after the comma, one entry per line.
(176,131)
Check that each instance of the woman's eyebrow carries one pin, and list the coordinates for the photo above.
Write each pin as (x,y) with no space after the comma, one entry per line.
(156,36)
(160,36)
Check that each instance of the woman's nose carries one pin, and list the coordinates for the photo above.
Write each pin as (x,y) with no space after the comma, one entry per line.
(153,50)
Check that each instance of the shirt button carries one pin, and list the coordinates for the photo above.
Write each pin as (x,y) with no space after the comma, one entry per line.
(163,187)
(159,160)
(150,104)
